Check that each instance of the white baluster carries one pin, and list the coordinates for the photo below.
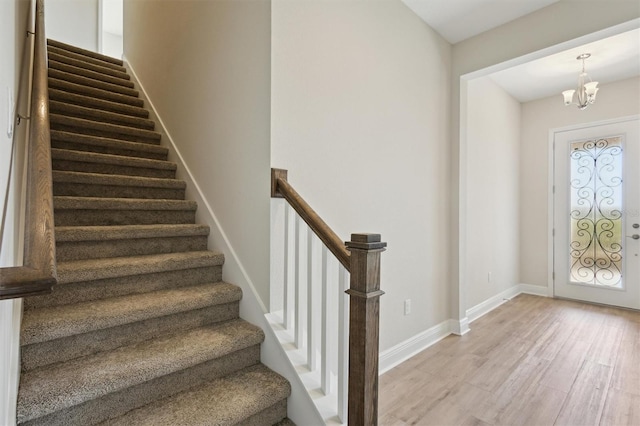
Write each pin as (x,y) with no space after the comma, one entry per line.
(311,347)
(286,318)
(296,298)
(325,367)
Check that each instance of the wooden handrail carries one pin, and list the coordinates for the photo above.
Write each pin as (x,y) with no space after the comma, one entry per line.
(361,257)
(38,274)
(280,188)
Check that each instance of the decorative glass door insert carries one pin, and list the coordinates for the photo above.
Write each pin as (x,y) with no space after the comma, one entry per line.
(596,243)
(596,212)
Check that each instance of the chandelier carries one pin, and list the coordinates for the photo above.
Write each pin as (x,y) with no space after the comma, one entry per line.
(586,90)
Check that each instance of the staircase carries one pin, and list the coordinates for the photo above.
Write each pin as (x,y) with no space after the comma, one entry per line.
(141,329)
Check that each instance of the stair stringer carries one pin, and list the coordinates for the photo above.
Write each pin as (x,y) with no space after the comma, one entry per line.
(300,407)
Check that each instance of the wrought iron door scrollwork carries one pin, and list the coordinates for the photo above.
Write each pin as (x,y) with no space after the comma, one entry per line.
(596,251)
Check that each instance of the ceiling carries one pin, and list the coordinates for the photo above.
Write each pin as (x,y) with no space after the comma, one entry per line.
(457,20)
(613,58)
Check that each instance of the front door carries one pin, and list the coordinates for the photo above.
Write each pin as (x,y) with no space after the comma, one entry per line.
(597,213)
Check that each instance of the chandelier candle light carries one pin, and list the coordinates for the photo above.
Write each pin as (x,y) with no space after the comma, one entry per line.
(587,89)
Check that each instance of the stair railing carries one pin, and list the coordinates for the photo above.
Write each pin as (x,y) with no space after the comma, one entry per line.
(38,274)
(360,259)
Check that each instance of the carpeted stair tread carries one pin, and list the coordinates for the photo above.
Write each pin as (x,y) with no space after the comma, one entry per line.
(99,104)
(100,145)
(285,422)
(92,157)
(116,180)
(226,401)
(55,322)
(64,385)
(106,233)
(84,52)
(99,128)
(86,59)
(59,56)
(90,82)
(96,269)
(90,74)
(79,89)
(64,108)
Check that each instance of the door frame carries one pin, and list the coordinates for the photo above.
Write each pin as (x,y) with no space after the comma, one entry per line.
(550,183)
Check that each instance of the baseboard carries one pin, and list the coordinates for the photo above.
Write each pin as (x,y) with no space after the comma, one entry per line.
(410,347)
(535,290)
(490,304)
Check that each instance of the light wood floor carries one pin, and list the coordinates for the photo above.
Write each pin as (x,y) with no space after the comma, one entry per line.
(532,361)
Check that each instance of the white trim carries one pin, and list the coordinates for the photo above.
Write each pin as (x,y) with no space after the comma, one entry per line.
(414,345)
(490,304)
(460,327)
(535,290)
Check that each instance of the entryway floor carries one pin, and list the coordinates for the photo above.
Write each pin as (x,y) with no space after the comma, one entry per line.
(531,361)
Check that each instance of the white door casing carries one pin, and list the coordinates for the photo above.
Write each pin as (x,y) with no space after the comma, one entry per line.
(596,206)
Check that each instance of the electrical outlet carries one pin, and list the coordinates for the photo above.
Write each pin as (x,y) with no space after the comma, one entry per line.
(489,277)
(407,306)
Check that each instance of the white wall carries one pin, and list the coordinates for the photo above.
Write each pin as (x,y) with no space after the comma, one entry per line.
(493,157)
(614,100)
(538,34)
(73,22)
(14,15)
(360,114)
(111,40)
(205,66)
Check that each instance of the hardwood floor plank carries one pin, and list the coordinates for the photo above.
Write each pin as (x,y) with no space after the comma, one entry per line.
(585,403)
(621,408)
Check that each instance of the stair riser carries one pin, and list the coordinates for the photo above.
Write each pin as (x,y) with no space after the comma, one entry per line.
(107,149)
(101,104)
(90,74)
(64,349)
(112,169)
(94,93)
(56,107)
(85,59)
(77,250)
(131,284)
(107,133)
(89,82)
(116,191)
(82,64)
(118,403)
(122,217)
(270,416)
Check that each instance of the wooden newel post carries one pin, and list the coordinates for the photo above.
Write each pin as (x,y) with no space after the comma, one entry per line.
(364,332)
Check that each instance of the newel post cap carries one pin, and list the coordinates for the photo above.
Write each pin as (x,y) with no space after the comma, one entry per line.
(366,241)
